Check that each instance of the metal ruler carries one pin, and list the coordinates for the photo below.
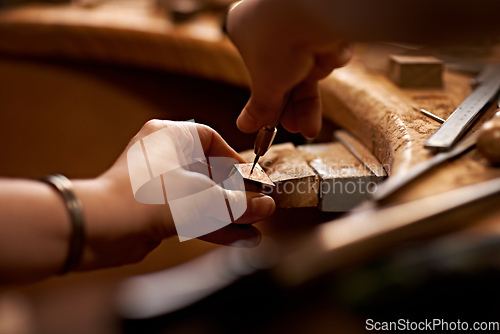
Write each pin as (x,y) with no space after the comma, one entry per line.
(459,121)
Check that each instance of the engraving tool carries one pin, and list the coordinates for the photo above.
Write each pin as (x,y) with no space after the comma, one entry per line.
(266,135)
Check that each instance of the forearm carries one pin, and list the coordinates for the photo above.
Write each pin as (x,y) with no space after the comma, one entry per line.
(422,21)
(35,228)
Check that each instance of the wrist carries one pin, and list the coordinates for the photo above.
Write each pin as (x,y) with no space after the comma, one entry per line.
(119,230)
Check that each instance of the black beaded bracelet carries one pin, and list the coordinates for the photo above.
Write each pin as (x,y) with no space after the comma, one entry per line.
(77,239)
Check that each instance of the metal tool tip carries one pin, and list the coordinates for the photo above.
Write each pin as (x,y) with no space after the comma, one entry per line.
(254,163)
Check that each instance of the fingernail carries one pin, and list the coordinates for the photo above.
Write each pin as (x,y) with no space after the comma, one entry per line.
(246,122)
(262,206)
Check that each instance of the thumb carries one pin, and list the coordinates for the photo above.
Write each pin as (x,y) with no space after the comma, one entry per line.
(262,108)
(202,212)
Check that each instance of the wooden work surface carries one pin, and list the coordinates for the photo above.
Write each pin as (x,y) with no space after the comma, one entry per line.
(131,34)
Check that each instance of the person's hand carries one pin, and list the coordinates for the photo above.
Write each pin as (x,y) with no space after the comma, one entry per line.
(130,229)
(286,54)
(132,207)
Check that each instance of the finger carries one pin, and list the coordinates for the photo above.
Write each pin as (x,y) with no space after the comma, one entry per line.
(262,108)
(289,119)
(324,64)
(305,113)
(325,61)
(241,235)
(149,127)
(212,142)
(345,54)
(259,207)
(214,145)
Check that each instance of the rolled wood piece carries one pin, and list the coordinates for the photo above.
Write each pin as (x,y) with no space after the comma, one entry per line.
(296,183)
(344,180)
(416,71)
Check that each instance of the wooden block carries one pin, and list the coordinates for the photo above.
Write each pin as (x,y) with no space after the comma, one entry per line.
(344,180)
(296,183)
(415,71)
